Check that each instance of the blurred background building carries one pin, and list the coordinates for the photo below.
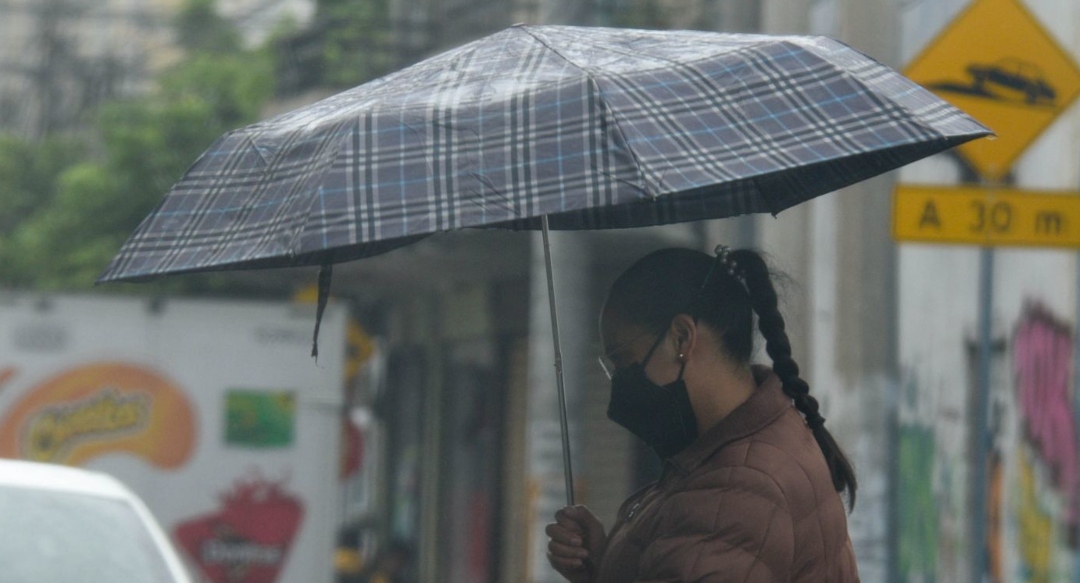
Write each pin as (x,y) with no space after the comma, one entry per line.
(458,400)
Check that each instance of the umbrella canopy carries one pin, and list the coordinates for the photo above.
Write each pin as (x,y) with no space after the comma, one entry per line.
(539,126)
(589,127)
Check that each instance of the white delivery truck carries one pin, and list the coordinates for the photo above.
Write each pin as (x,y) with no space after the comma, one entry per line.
(213,412)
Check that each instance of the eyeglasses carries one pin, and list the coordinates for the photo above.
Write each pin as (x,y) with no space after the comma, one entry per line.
(609,366)
(605,360)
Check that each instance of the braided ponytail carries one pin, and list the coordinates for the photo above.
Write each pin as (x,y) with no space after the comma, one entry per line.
(763,299)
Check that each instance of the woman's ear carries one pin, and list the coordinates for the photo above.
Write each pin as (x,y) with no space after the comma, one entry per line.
(685,333)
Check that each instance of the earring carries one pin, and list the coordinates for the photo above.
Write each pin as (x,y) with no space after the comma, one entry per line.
(681,357)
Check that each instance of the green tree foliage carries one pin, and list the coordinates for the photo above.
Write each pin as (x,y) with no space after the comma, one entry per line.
(66,205)
(199,28)
(357,40)
(29,171)
(29,184)
(63,244)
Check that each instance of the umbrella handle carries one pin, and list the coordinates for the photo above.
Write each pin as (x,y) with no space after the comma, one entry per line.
(564,426)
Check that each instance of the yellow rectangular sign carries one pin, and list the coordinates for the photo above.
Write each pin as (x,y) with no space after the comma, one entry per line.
(986,216)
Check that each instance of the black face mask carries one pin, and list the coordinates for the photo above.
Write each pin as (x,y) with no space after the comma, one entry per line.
(661,416)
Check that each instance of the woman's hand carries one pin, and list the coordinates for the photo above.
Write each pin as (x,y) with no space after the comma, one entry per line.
(577,543)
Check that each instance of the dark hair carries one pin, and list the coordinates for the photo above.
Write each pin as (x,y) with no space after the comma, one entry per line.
(668,282)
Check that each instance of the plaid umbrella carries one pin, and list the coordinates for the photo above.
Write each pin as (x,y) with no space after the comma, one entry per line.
(538,126)
(594,128)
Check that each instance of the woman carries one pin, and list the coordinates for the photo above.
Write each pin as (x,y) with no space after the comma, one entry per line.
(751,480)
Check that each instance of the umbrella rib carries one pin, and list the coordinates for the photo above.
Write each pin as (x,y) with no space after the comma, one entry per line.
(294,243)
(644,183)
(553,49)
(750,46)
(604,107)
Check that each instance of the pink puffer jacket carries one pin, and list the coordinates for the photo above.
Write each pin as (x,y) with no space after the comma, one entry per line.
(750,501)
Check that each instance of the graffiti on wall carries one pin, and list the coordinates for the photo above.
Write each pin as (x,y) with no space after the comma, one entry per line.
(1033,473)
(918,553)
(1036,526)
(1047,469)
(1042,363)
(931,490)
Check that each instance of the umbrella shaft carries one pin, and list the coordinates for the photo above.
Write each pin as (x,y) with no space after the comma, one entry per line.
(558,368)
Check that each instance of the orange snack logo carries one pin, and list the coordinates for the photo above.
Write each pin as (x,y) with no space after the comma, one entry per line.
(52,431)
(97,409)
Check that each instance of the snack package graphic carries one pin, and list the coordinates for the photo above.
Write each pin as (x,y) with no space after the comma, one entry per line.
(248,539)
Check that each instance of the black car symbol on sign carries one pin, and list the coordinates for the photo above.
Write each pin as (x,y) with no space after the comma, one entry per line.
(1012,76)
(1009,79)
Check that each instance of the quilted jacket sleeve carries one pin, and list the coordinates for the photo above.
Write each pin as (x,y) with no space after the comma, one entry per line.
(732,527)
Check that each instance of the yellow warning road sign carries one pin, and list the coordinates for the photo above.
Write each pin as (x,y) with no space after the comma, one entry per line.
(986,216)
(998,64)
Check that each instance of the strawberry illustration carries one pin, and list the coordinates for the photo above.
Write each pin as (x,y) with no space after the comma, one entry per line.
(248,539)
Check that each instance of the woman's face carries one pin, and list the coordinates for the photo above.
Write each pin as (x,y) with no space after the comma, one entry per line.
(626,344)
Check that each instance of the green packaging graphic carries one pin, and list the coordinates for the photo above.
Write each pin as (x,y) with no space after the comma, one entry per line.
(263,419)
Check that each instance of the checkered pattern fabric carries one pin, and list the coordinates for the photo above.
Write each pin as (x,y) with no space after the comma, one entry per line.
(596,128)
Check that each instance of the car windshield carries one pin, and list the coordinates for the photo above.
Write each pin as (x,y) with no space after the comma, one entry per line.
(61,537)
